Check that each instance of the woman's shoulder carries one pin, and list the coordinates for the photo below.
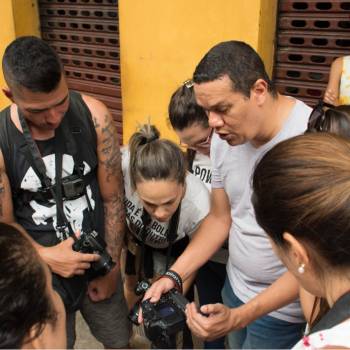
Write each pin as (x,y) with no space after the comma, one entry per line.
(337,336)
(195,204)
(197,195)
(194,186)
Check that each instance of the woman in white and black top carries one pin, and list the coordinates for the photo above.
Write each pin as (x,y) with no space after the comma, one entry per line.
(190,123)
(158,188)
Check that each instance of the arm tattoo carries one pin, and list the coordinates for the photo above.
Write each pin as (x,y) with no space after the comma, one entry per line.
(110,150)
(114,227)
(114,211)
(96,123)
(2,193)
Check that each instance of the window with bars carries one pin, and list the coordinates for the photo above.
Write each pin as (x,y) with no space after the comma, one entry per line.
(310,35)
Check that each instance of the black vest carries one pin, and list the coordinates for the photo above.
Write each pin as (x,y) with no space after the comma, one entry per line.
(38,217)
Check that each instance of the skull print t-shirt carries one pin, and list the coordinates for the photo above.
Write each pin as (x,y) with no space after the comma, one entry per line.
(36,214)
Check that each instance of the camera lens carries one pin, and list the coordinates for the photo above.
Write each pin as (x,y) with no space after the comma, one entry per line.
(141,287)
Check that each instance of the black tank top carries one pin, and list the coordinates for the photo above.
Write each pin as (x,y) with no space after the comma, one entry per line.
(38,217)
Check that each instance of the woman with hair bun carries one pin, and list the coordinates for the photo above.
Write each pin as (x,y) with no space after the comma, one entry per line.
(164,204)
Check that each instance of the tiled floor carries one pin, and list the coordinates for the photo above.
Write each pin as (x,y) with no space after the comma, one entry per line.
(87,341)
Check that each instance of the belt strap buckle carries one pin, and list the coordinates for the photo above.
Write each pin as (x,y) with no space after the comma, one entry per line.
(62,228)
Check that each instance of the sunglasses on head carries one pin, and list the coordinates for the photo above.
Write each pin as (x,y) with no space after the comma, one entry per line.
(317,117)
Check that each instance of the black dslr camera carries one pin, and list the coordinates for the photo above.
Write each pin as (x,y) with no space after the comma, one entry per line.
(162,320)
(92,243)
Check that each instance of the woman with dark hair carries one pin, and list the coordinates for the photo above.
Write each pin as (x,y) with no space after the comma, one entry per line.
(302,200)
(190,122)
(31,312)
(335,120)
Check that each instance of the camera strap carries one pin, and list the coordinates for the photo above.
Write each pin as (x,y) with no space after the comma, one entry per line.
(172,234)
(146,258)
(38,165)
(62,222)
(68,136)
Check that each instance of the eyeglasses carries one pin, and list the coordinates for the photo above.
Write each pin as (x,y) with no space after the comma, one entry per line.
(317,117)
(201,143)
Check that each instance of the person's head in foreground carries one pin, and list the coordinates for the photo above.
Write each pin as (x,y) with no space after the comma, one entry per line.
(26,302)
(302,200)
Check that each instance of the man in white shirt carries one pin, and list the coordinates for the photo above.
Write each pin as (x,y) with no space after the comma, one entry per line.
(248,117)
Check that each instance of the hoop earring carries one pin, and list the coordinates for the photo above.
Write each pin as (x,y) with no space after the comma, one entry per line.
(301,269)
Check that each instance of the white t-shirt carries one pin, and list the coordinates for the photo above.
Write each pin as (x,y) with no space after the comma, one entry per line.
(194,207)
(252,265)
(201,168)
(339,335)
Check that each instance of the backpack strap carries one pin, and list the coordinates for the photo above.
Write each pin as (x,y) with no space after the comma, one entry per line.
(4,133)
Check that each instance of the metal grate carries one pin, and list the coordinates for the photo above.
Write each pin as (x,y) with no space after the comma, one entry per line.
(85,33)
(310,35)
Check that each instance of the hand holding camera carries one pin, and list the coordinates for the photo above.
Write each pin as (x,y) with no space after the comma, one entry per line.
(92,243)
(64,261)
(168,281)
(162,319)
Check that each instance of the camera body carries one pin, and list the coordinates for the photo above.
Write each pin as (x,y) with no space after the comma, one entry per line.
(165,318)
(162,320)
(92,243)
(73,187)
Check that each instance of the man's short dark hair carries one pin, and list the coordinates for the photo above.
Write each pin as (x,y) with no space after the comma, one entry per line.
(31,63)
(236,59)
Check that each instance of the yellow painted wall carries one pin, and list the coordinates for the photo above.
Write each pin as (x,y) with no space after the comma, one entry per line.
(26,17)
(161,43)
(7,34)
(163,40)
(267,32)
(18,17)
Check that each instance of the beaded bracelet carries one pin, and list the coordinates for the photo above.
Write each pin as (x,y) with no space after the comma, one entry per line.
(175,277)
